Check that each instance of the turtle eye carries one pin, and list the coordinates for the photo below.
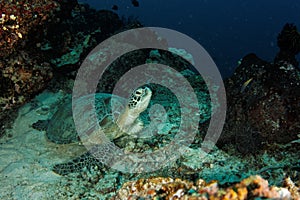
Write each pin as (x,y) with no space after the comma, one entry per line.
(139,92)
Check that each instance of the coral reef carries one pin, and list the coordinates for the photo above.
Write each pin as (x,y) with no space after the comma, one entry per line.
(39,36)
(74,37)
(22,73)
(168,188)
(263,101)
(41,40)
(20,18)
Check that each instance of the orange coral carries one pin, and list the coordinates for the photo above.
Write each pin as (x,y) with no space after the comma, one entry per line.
(167,188)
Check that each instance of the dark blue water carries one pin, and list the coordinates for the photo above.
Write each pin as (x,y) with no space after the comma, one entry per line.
(228,30)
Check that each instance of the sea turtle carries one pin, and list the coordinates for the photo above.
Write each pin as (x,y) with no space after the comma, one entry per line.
(61,128)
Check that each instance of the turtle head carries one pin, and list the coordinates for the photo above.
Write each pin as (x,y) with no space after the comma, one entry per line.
(139,99)
(138,102)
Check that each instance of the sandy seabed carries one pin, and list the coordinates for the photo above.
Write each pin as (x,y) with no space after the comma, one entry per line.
(26,156)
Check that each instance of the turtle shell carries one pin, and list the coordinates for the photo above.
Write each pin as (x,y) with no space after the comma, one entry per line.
(61,128)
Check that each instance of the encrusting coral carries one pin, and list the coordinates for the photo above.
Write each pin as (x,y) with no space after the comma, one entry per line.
(168,188)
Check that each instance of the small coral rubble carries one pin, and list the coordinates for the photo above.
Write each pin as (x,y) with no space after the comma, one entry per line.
(168,188)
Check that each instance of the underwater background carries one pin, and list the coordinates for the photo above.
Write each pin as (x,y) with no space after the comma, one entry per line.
(67,132)
(226,29)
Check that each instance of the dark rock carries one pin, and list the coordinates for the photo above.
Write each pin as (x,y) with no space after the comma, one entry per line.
(263,105)
(289,43)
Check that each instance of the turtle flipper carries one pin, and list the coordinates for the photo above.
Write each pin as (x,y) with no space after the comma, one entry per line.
(77,164)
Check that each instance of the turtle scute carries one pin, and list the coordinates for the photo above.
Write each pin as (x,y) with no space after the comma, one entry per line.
(60,129)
